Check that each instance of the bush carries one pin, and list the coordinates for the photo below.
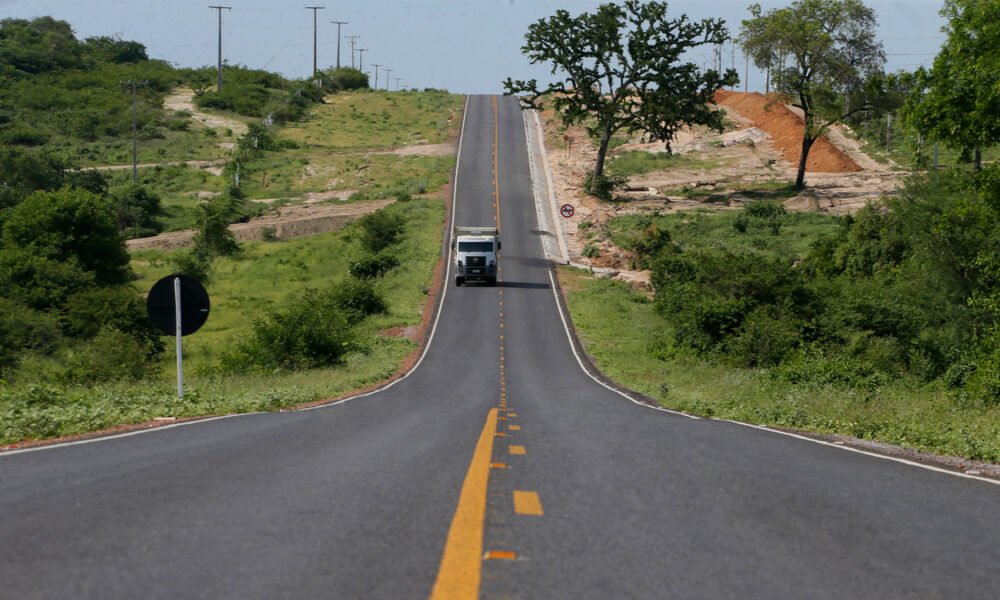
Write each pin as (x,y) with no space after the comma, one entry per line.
(310,333)
(111,355)
(24,329)
(381,229)
(136,209)
(603,186)
(372,266)
(357,299)
(122,308)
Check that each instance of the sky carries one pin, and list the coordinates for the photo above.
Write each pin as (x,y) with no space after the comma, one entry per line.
(464,46)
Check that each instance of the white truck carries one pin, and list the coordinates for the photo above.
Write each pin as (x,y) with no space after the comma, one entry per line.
(476,252)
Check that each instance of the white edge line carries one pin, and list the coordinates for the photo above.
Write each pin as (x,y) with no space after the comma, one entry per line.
(579,360)
(765,428)
(444,291)
(105,438)
(847,448)
(444,283)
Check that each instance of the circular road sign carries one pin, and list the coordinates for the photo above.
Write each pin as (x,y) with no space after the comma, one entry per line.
(566,210)
(194,305)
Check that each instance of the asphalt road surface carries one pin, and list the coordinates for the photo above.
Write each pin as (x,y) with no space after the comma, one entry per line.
(497,468)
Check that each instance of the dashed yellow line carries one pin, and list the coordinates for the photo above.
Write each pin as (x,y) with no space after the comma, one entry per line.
(517,450)
(528,503)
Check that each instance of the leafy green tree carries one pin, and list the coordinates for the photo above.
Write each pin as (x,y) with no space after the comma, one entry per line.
(70,226)
(834,60)
(37,46)
(136,209)
(624,70)
(959,103)
(116,50)
(345,78)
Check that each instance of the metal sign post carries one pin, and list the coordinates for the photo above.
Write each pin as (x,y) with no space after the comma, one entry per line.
(178,305)
(180,334)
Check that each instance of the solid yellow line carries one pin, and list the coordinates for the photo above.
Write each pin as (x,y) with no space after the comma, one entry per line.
(461,564)
(527,503)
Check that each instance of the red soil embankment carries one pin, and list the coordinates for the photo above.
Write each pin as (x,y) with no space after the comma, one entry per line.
(785,129)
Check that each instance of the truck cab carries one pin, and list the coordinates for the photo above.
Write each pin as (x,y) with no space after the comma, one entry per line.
(476,254)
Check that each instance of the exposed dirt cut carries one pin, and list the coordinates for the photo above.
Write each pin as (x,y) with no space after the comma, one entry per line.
(286,222)
(786,129)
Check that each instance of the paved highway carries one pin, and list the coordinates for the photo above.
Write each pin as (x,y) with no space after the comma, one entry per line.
(498,468)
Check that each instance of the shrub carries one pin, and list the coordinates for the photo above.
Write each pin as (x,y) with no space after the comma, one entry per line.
(372,266)
(357,299)
(381,229)
(310,333)
(121,307)
(603,186)
(111,355)
(24,329)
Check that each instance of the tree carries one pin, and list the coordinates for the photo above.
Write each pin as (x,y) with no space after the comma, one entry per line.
(69,226)
(623,70)
(835,60)
(959,99)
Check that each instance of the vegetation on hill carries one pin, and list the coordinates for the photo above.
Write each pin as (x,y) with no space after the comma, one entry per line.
(77,351)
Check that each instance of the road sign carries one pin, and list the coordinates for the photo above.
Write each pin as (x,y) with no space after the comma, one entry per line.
(194,305)
(566,210)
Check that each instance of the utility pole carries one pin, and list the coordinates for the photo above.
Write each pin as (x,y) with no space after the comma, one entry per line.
(218,82)
(376,74)
(398,79)
(746,71)
(135,164)
(387,71)
(361,58)
(352,38)
(314,9)
(338,24)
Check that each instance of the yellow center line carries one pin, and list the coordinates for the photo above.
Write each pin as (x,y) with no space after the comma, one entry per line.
(461,564)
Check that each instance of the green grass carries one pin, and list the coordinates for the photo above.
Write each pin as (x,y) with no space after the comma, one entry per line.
(637,162)
(353,121)
(711,229)
(621,331)
(266,275)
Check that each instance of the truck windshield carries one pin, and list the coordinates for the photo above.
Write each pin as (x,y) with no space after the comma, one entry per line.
(475,246)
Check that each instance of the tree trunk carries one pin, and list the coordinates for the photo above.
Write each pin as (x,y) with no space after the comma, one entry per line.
(602,151)
(800,179)
(979,160)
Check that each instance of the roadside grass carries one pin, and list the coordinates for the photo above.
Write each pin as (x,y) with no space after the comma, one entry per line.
(638,162)
(294,173)
(724,190)
(620,330)
(362,120)
(717,230)
(242,288)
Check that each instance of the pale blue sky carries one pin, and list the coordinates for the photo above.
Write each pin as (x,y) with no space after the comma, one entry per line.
(466,46)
